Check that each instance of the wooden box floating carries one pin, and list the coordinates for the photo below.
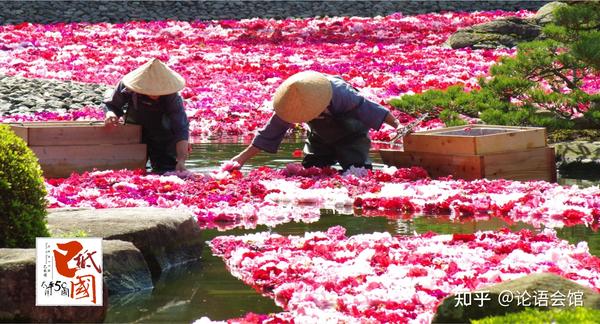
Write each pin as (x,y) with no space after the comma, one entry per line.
(478,151)
(66,147)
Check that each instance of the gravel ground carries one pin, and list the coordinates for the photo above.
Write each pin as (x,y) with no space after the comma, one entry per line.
(21,95)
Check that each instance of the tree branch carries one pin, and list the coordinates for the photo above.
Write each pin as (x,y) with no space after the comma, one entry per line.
(581,28)
(569,83)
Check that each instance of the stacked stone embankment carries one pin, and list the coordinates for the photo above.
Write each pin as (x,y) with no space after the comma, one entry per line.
(14,12)
(21,95)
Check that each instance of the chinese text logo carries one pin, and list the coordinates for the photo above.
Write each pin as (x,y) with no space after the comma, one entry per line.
(68,271)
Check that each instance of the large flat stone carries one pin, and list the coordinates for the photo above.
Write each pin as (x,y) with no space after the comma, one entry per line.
(499,33)
(545,14)
(166,237)
(17,300)
(124,271)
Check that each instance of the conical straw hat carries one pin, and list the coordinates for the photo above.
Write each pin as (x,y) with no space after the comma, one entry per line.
(154,78)
(302,97)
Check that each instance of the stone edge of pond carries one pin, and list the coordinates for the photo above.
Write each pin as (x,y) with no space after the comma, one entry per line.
(139,245)
(577,151)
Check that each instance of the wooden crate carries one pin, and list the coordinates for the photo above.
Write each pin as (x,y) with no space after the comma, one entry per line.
(532,164)
(479,139)
(76,133)
(61,161)
(478,151)
(66,147)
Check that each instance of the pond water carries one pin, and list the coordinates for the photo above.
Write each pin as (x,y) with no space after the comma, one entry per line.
(206,288)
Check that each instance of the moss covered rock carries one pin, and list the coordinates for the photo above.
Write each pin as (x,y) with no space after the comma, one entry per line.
(500,33)
(515,296)
(578,315)
(545,14)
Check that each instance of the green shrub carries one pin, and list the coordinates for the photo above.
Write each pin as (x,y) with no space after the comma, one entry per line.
(23,204)
(578,315)
(451,118)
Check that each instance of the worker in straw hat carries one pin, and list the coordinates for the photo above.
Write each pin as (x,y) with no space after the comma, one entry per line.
(338,118)
(148,96)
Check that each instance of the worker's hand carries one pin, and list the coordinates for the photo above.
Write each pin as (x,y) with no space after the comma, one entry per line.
(403,130)
(230,165)
(400,132)
(180,167)
(245,155)
(397,136)
(111,119)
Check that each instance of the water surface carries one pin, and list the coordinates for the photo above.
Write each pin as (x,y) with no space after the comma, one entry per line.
(206,288)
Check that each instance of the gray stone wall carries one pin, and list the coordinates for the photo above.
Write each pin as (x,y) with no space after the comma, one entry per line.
(13,12)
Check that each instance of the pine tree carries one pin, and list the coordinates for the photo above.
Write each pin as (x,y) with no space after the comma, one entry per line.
(540,86)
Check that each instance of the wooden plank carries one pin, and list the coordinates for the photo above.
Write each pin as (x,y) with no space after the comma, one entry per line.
(478,126)
(435,144)
(438,130)
(533,164)
(513,141)
(61,161)
(481,139)
(21,132)
(45,134)
(552,164)
(466,167)
(56,123)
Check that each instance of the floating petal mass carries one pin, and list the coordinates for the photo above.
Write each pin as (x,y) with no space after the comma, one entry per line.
(377,278)
(265,196)
(233,67)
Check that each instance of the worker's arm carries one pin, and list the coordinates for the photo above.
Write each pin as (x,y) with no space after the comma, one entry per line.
(183,148)
(180,127)
(246,154)
(346,98)
(268,139)
(114,103)
(391,120)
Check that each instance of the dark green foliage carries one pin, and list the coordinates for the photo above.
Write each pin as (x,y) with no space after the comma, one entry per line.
(531,315)
(593,114)
(432,101)
(540,86)
(566,135)
(451,118)
(22,192)
(518,117)
(579,27)
(453,99)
